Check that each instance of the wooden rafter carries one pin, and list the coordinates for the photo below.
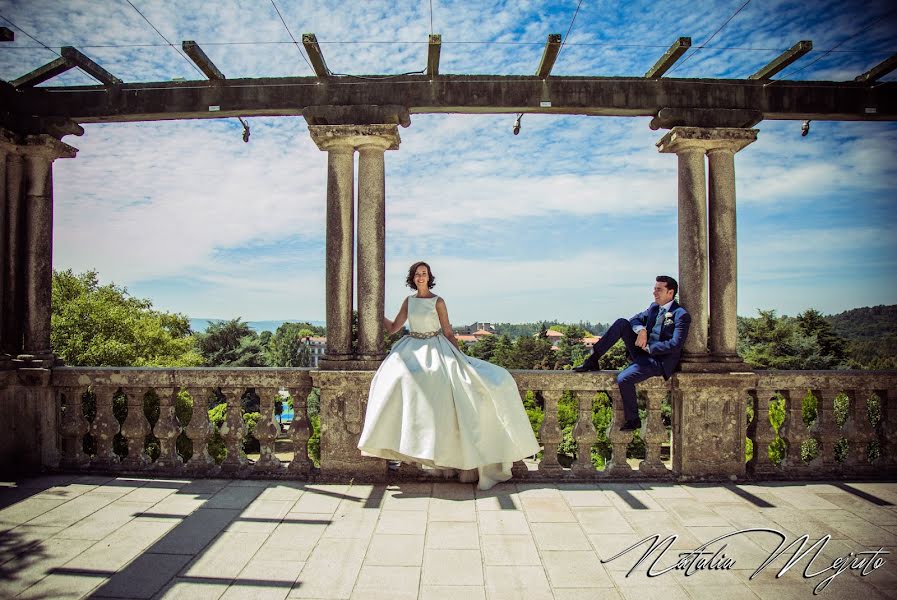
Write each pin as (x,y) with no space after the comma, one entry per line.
(783,60)
(666,61)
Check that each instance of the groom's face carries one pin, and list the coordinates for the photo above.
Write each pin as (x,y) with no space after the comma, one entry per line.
(662,295)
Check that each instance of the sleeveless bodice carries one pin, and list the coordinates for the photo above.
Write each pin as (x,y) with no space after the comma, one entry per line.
(422,317)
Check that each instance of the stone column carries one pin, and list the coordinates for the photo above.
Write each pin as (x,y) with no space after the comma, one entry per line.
(723,242)
(338,143)
(693,273)
(39,153)
(4,252)
(372,240)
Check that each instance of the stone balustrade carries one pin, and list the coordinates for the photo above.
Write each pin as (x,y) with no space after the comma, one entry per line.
(718,425)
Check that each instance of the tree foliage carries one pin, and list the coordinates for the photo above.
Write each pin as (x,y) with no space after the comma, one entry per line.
(231,344)
(805,342)
(103,325)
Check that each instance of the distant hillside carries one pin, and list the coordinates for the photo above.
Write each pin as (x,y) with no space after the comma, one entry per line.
(865,323)
(200,325)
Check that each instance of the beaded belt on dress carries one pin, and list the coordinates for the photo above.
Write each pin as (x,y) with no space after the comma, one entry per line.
(421,335)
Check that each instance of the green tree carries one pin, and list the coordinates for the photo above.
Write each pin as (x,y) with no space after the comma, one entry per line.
(289,346)
(771,342)
(571,351)
(231,344)
(103,325)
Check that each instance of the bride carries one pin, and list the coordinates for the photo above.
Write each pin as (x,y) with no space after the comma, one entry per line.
(431,404)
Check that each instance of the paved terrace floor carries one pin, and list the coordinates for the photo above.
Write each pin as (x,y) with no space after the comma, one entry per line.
(73,537)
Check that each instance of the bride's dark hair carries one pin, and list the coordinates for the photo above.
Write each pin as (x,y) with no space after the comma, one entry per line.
(410,279)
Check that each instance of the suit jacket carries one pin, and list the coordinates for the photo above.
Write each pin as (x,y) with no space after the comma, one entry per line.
(668,349)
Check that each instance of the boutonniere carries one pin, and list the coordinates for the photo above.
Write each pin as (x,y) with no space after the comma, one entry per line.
(668,318)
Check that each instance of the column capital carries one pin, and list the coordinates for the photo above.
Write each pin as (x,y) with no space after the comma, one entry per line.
(706,139)
(335,137)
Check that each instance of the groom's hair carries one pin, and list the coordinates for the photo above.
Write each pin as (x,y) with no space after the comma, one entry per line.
(670,283)
(410,279)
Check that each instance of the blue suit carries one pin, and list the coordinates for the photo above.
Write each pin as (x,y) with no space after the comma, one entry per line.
(662,356)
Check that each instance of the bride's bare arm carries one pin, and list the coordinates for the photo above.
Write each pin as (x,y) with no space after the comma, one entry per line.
(393,326)
(442,312)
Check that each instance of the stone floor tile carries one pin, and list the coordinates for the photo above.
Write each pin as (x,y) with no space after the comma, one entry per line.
(294,539)
(452,592)
(148,493)
(69,490)
(661,490)
(30,508)
(575,569)
(797,522)
(261,516)
(602,520)
(195,531)
(609,545)
(226,555)
(395,550)
(234,497)
(501,497)
(442,509)
(180,505)
(451,535)
(73,511)
(144,577)
(208,487)
(516,582)
(403,500)
(320,498)
(21,571)
(63,586)
(733,590)
(105,521)
(507,550)
(282,491)
(638,592)
(331,570)
(42,482)
(713,493)
(387,583)
(264,580)
(407,522)
(559,536)
(541,509)
(452,567)
(800,498)
(193,589)
(358,524)
(847,525)
(452,490)
(118,549)
(578,495)
(693,514)
(586,594)
(538,490)
(503,522)
(846,589)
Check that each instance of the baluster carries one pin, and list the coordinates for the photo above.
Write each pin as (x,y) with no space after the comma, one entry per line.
(888,427)
(826,430)
(858,430)
(300,431)
(200,431)
(585,435)
(619,440)
(655,435)
(104,427)
(519,470)
(74,428)
(232,430)
(550,435)
(793,430)
(764,434)
(135,429)
(267,430)
(167,430)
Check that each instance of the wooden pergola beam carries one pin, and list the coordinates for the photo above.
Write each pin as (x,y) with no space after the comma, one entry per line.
(549,55)
(84,63)
(314,55)
(43,73)
(7,35)
(783,60)
(433,50)
(200,59)
(879,70)
(669,57)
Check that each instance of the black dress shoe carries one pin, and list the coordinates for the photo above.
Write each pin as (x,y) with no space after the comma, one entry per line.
(583,368)
(631,425)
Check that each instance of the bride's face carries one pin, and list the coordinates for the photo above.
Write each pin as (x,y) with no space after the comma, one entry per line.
(421,277)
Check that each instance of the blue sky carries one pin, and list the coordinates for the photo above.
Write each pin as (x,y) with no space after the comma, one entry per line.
(569,220)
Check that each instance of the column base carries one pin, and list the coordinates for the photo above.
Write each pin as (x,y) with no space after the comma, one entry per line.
(377,356)
(34,361)
(353,364)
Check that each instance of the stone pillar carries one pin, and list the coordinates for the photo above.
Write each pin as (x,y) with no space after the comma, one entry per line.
(340,141)
(340,238)
(723,242)
(39,153)
(372,240)
(707,263)
(693,274)
(4,252)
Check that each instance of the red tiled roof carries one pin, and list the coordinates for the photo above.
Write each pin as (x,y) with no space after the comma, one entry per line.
(481,332)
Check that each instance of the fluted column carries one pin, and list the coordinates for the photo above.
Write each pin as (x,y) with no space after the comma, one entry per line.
(39,153)
(723,242)
(339,146)
(372,240)
(693,272)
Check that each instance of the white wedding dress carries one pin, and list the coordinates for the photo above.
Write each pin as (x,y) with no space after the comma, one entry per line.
(431,404)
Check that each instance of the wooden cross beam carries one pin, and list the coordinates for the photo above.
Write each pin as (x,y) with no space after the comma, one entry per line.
(879,70)
(202,61)
(783,60)
(81,61)
(549,55)
(433,50)
(666,61)
(314,55)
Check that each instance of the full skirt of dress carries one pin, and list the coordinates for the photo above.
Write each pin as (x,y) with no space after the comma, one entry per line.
(431,404)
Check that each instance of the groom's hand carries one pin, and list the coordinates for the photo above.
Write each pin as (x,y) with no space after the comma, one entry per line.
(641,339)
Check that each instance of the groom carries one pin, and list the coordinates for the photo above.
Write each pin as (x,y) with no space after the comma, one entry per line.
(653,339)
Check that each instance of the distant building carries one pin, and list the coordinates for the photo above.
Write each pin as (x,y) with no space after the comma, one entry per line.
(473,328)
(590,341)
(554,337)
(317,346)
